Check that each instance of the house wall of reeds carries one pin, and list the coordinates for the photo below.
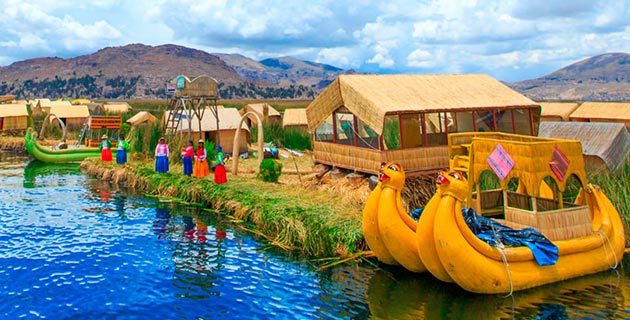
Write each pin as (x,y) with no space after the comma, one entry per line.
(418,141)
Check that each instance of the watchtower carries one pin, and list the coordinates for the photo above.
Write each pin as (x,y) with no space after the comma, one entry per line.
(188,101)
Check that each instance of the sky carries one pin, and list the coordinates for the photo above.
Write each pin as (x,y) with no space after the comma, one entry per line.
(511,40)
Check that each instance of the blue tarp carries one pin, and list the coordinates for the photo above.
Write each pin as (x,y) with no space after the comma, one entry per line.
(491,231)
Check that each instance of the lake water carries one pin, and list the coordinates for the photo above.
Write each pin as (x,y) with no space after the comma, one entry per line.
(72,247)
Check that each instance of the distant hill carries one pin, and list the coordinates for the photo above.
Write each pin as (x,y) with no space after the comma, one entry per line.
(604,77)
(284,71)
(138,71)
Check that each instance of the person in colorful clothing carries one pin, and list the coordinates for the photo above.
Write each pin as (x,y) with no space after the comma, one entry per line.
(121,150)
(106,149)
(201,164)
(161,156)
(187,158)
(219,167)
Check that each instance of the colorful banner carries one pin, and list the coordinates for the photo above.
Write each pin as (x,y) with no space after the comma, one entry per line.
(559,163)
(500,162)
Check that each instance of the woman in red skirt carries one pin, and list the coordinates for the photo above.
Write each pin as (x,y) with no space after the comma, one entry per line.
(219,167)
(106,149)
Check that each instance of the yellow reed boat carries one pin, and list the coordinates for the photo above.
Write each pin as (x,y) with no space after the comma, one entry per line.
(519,181)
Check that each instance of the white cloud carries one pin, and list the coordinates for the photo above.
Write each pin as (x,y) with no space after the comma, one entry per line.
(438,36)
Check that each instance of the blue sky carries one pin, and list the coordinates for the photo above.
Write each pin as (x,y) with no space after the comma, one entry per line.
(510,40)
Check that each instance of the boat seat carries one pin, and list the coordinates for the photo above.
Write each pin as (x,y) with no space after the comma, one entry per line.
(559,224)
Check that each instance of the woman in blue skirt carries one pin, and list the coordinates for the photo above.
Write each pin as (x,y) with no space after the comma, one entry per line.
(161,156)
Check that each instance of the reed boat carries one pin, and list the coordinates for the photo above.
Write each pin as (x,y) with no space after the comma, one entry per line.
(50,155)
(520,182)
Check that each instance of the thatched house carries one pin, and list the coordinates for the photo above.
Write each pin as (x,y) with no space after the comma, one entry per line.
(73,116)
(295,119)
(229,119)
(46,104)
(13,116)
(116,107)
(142,117)
(266,113)
(605,145)
(406,118)
(557,111)
(602,112)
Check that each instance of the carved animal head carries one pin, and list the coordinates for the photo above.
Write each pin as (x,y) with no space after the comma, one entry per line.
(392,175)
(452,183)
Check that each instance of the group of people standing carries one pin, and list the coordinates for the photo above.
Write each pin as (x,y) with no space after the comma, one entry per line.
(199,168)
(195,161)
(105,147)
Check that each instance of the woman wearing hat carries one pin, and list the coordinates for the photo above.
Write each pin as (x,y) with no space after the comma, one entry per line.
(105,148)
(219,167)
(201,164)
(161,156)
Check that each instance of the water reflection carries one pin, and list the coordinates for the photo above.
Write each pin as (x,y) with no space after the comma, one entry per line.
(396,295)
(37,173)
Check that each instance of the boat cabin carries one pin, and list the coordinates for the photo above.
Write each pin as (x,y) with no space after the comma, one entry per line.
(360,121)
(526,181)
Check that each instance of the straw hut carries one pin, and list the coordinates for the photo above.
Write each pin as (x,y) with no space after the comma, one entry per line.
(605,145)
(406,118)
(557,111)
(46,104)
(229,119)
(95,108)
(117,107)
(13,116)
(73,116)
(295,118)
(266,113)
(142,117)
(7,99)
(602,112)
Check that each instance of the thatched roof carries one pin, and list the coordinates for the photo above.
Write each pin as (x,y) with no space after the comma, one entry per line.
(606,140)
(117,107)
(371,97)
(6,99)
(258,108)
(142,117)
(201,86)
(13,110)
(602,111)
(557,111)
(294,117)
(70,111)
(229,119)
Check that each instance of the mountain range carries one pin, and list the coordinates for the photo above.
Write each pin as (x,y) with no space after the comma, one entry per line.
(138,71)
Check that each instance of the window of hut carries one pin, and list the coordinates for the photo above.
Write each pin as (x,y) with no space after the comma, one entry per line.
(325,130)
(504,122)
(411,130)
(367,138)
(391,133)
(436,128)
(522,121)
(485,121)
(345,130)
(460,122)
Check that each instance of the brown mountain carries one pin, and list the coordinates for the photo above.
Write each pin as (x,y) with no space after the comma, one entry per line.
(604,77)
(284,71)
(139,71)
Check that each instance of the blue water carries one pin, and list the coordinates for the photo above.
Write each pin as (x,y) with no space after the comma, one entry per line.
(72,247)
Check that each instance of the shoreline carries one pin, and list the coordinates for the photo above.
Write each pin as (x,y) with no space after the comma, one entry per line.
(303,219)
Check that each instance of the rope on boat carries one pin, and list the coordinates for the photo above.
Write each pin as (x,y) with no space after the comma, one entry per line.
(499,245)
(606,239)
